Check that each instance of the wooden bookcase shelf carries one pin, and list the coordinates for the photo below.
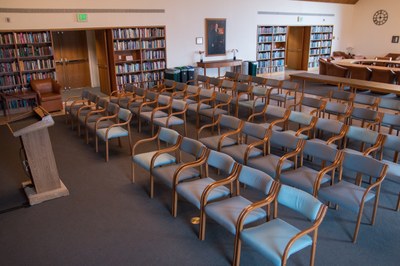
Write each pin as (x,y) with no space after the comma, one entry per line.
(320,44)
(138,55)
(271,48)
(24,56)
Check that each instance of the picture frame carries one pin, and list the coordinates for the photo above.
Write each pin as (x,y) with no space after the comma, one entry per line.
(215,29)
(199,40)
(395,39)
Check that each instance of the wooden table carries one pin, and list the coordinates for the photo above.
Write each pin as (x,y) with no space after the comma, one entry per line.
(25,96)
(218,64)
(370,63)
(341,82)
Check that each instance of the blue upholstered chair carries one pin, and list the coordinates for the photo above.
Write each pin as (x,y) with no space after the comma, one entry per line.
(101,119)
(286,92)
(72,104)
(277,239)
(242,92)
(305,123)
(116,130)
(310,177)
(353,196)
(392,121)
(146,104)
(272,116)
(195,191)
(228,128)
(256,102)
(392,144)
(252,143)
(316,105)
(176,117)
(272,163)
(329,131)
(162,109)
(160,156)
(219,106)
(99,110)
(226,211)
(368,140)
(190,152)
(85,106)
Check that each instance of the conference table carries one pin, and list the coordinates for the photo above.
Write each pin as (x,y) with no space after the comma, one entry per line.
(342,82)
(218,64)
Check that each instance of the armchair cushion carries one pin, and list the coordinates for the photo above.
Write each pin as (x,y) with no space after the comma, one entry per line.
(49,94)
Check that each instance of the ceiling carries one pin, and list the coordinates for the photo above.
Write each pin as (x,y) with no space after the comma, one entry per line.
(351,2)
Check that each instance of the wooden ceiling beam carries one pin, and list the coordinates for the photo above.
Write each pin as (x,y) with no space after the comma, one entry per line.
(348,2)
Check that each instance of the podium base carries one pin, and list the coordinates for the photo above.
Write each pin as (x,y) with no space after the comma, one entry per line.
(36,198)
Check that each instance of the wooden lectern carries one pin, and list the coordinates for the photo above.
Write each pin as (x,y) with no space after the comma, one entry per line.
(45,183)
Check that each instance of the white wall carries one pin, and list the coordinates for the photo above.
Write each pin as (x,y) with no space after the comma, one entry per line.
(184,21)
(372,40)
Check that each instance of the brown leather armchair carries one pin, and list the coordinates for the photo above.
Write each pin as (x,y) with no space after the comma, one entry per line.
(337,71)
(49,94)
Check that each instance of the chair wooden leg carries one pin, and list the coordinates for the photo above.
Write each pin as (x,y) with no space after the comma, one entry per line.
(313,248)
(97,143)
(237,251)
(87,135)
(174,205)
(398,203)
(202,225)
(119,142)
(107,150)
(185,128)
(133,171)
(151,186)
(358,223)
(378,192)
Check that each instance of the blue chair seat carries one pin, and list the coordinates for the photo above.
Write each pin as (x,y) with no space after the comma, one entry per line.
(250,104)
(393,171)
(101,124)
(271,238)
(192,190)
(212,142)
(268,164)
(147,115)
(144,159)
(302,178)
(193,106)
(275,128)
(345,194)
(281,97)
(166,173)
(226,212)
(333,145)
(173,121)
(237,152)
(114,132)
(209,112)
(293,133)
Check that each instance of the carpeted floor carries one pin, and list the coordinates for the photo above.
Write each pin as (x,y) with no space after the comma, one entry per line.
(107,220)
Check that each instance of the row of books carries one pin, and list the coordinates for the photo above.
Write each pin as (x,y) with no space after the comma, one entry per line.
(321,36)
(271,30)
(33,37)
(21,103)
(7,53)
(321,29)
(153,44)
(158,54)
(270,69)
(317,44)
(320,51)
(9,67)
(35,51)
(154,65)
(38,64)
(264,55)
(138,33)
(10,80)
(264,47)
(125,68)
(126,45)
(27,77)
(7,38)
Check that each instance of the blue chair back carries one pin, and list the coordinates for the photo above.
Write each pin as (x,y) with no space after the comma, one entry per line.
(124,114)
(168,135)
(299,201)
(320,150)
(255,178)
(254,130)
(231,122)
(192,146)
(221,161)
(363,164)
(284,140)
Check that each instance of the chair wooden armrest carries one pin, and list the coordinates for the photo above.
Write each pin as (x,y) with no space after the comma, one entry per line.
(207,126)
(252,146)
(379,143)
(307,128)
(292,154)
(231,133)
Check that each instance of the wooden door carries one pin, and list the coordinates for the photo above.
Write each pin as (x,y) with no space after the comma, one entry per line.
(72,61)
(102,61)
(295,48)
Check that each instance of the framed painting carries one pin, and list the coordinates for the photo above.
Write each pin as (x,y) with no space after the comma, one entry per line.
(215,36)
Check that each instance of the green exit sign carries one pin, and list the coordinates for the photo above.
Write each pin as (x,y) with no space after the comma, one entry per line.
(81,17)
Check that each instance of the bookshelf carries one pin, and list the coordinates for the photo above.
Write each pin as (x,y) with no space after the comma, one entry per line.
(271,48)
(320,44)
(138,55)
(24,56)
